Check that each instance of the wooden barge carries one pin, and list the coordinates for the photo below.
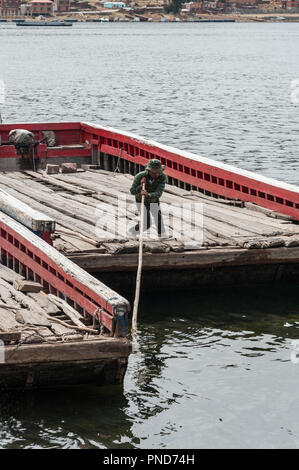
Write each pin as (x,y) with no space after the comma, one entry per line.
(55,228)
(46,342)
(249,230)
(58,324)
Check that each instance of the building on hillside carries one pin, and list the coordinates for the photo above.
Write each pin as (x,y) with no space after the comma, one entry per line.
(81,5)
(25,9)
(10,8)
(242,3)
(114,5)
(192,7)
(209,5)
(148,9)
(41,7)
(63,5)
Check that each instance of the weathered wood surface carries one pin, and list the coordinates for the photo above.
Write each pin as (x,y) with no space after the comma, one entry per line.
(25,214)
(27,286)
(91,349)
(205,258)
(47,343)
(76,200)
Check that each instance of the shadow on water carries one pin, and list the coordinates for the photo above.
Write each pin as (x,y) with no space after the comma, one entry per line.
(80,417)
(214,328)
(186,319)
(264,309)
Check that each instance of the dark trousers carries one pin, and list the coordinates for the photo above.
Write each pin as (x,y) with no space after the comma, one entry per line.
(152,210)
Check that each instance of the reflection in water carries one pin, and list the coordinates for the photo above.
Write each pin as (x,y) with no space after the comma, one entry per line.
(213,369)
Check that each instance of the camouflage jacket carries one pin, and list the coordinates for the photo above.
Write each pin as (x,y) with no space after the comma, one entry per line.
(154,189)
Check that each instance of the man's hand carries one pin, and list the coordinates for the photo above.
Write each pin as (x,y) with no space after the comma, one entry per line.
(143,191)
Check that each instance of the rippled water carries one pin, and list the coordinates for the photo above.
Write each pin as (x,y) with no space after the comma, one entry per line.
(222,90)
(215,368)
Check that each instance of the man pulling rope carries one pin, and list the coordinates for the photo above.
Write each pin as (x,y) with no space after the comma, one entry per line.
(148,187)
(154,179)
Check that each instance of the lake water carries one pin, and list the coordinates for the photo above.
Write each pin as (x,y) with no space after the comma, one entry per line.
(215,368)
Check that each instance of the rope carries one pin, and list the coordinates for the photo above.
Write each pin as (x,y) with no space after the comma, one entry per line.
(33,159)
(98,314)
(73,327)
(117,164)
(139,270)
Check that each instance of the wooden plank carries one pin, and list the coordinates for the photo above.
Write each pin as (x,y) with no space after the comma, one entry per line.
(66,221)
(14,308)
(77,243)
(34,220)
(7,320)
(57,202)
(188,260)
(95,349)
(269,212)
(233,213)
(21,298)
(30,317)
(36,334)
(8,274)
(64,246)
(75,327)
(44,303)
(59,184)
(5,293)
(66,332)
(25,179)
(68,310)
(98,185)
(261,215)
(23,285)
(62,230)
(233,222)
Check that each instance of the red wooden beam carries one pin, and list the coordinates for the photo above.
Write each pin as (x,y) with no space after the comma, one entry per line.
(20,245)
(199,172)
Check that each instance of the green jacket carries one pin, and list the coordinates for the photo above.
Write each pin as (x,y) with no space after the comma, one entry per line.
(155,189)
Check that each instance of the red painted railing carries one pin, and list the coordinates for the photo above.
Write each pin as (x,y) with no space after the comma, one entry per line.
(197,172)
(24,252)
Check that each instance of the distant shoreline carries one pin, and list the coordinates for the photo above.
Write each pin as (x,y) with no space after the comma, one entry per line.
(204,18)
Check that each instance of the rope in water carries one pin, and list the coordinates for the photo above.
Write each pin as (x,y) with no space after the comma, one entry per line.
(139,270)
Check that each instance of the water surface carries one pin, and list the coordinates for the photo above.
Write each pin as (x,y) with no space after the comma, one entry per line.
(220,90)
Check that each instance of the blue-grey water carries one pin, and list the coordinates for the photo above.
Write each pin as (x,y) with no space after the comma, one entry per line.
(215,368)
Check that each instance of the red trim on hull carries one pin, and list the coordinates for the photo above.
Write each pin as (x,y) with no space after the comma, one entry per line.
(17,249)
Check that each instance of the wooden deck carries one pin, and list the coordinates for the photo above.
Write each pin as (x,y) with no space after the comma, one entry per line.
(48,343)
(242,228)
(234,232)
